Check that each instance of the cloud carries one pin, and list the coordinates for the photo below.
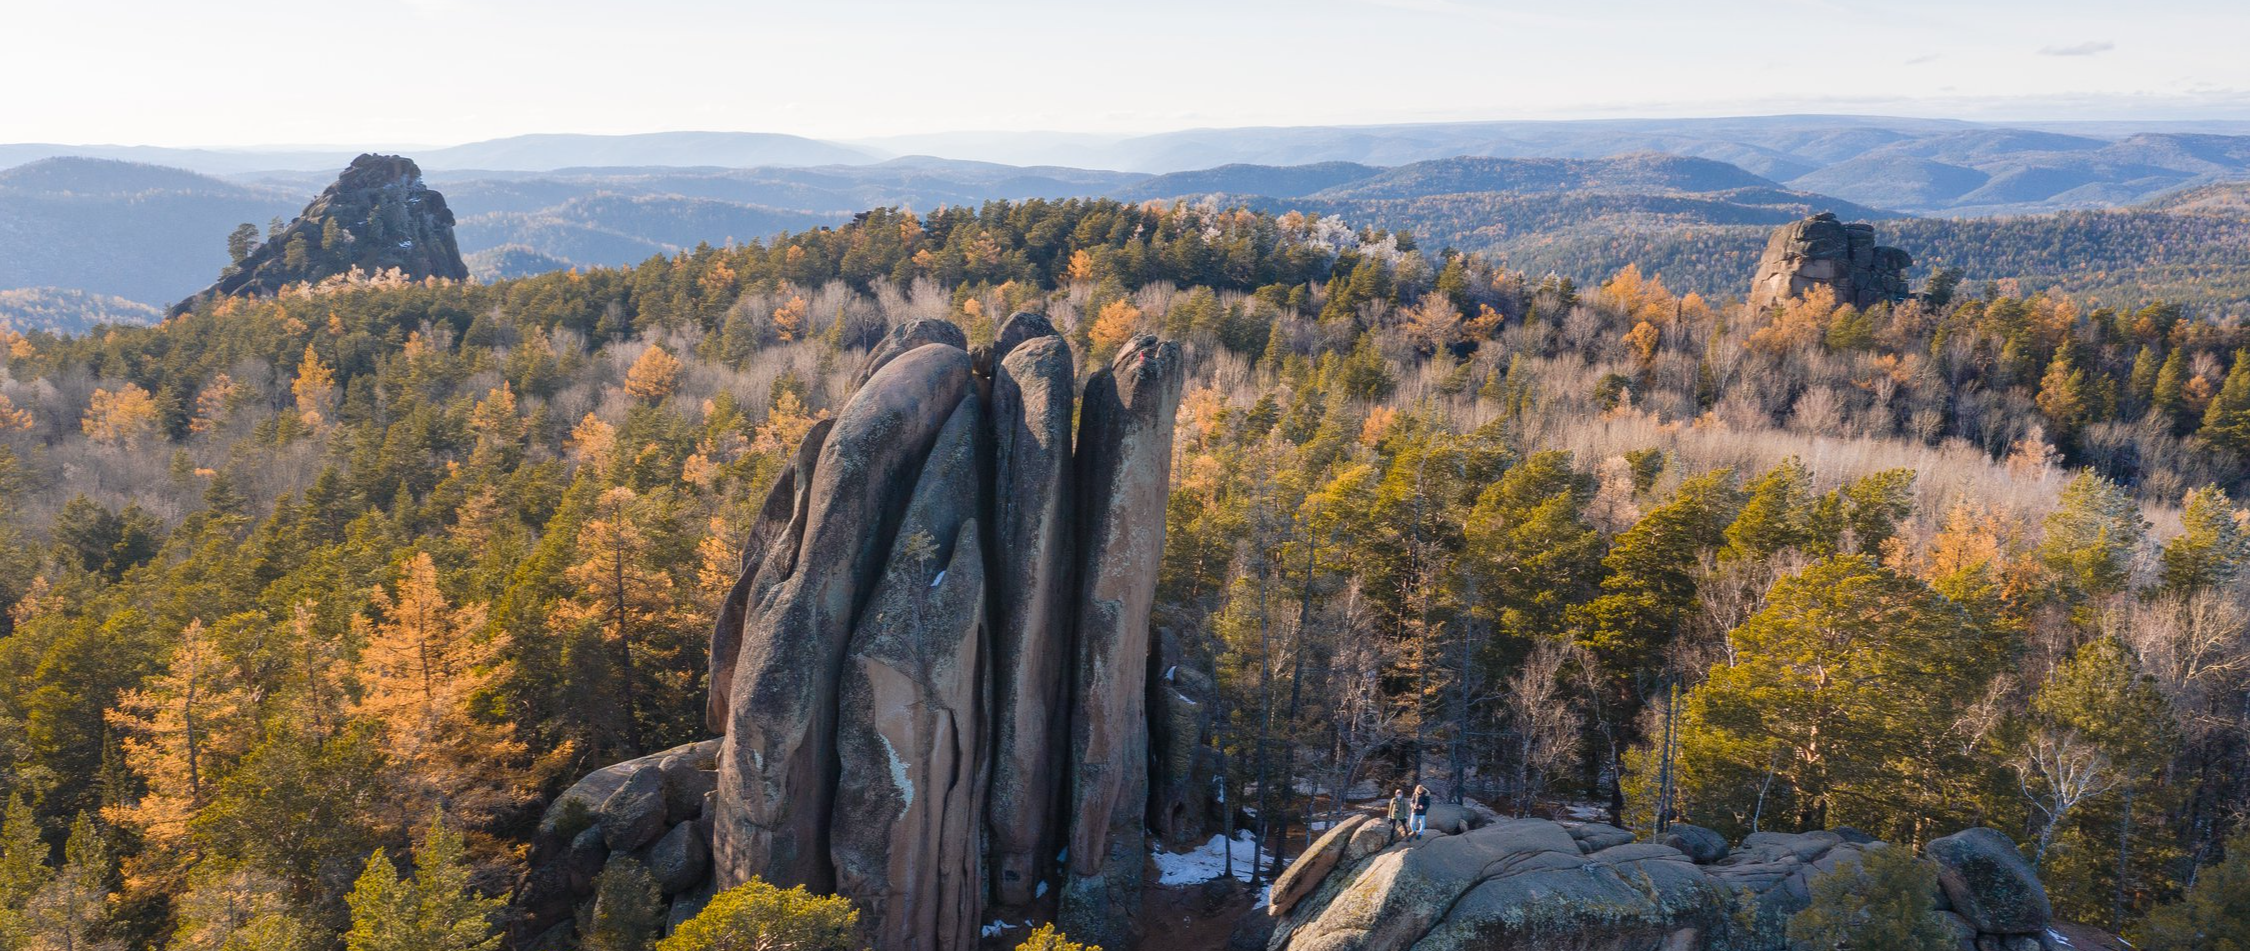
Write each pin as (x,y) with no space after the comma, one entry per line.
(1920,60)
(2089,48)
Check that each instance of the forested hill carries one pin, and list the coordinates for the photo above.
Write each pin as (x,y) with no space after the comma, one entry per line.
(285,578)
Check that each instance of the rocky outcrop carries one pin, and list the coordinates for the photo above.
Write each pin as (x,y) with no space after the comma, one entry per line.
(1032,383)
(377,216)
(652,809)
(777,773)
(1183,761)
(933,663)
(909,732)
(1539,885)
(1988,883)
(1823,252)
(1123,459)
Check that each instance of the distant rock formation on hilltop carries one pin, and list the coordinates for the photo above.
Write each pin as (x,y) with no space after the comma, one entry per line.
(377,216)
(1822,251)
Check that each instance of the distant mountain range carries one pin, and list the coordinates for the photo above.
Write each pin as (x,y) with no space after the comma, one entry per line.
(80,219)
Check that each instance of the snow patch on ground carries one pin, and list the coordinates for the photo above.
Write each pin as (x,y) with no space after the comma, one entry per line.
(1209,861)
(998,927)
(2058,938)
(1587,811)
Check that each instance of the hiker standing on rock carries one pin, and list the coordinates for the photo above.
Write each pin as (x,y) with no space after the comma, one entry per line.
(1422,810)
(1398,814)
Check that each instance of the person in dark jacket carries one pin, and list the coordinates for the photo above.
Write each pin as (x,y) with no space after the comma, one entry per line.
(1422,810)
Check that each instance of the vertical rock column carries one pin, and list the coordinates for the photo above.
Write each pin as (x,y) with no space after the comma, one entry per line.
(780,522)
(1123,467)
(777,768)
(1032,578)
(910,727)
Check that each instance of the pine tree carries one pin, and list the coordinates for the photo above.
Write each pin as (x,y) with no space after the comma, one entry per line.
(2166,397)
(1880,903)
(2092,535)
(2227,419)
(1841,694)
(2063,395)
(435,910)
(755,916)
(1777,514)
(628,910)
(71,911)
(2209,551)
(23,871)
(2213,915)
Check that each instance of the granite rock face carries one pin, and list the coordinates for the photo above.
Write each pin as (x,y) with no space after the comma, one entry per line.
(1123,458)
(1032,385)
(1823,252)
(777,765)
(1569,886)
(376,216)
(931,674)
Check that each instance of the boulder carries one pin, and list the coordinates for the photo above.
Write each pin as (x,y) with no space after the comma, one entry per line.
(1821,251)
(1702,846)
(680,859)
(1625,898)
(690,774)
(1596,836)
(1306,873)
(776,767)
(633,816)
(909,732)
(1448,818)
(1122,468)
(906,338)
(1989,883)
(1031,531)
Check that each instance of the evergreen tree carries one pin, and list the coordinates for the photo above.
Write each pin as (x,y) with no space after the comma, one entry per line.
(2227,419)
(628,910)
(2209,552)
(1777,514)
(1880,903)
(1840,697)
(2213,915)
(435,910)
(755,916)
(2092,535)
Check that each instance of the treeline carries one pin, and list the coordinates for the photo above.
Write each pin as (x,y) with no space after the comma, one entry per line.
(285,579)
(1709,243)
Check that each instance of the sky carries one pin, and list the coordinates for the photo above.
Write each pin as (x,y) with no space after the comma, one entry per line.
(441,72)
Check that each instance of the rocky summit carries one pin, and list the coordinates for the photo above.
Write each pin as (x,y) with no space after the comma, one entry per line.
(376,217)
(1822,251)
(931,680)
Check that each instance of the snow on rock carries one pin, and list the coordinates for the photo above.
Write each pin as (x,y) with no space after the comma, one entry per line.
(1210,861)
(998,927)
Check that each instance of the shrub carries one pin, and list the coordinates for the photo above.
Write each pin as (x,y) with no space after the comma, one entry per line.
(1882,903)
(755,916)
(1049,939)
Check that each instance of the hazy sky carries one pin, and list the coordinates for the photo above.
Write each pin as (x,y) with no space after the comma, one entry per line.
(436,72)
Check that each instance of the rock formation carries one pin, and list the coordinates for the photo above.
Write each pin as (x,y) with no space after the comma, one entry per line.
(1822,251)
(1032,380)
(931,674)
(1539,885)
(1123,460)
(378,215)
